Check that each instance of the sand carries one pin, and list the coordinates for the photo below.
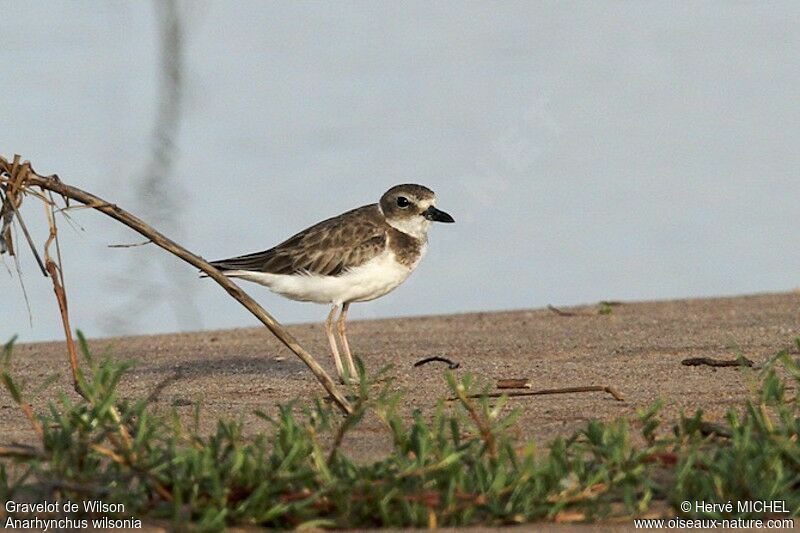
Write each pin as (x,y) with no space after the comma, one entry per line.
(637,349)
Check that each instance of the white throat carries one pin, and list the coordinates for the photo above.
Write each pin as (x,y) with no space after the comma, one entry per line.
(416,226)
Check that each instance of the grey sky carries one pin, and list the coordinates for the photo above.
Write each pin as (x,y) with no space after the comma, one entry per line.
(588,150)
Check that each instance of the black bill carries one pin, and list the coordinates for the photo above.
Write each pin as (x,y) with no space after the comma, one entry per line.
(436,215)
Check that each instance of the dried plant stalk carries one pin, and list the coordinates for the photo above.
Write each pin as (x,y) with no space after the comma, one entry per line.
(514,383)
(52,269)
(544,392)
(55,185)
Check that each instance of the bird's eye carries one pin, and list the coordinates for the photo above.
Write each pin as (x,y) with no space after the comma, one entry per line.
(403,202)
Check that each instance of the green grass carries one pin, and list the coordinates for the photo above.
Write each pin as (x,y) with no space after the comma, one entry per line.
(459,465)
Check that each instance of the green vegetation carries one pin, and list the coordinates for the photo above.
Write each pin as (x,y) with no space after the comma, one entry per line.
(459,465)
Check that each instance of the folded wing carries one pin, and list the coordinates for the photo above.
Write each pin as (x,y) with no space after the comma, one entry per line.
(329,248)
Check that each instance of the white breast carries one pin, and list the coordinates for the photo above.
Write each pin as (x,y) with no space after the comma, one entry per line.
(371,280)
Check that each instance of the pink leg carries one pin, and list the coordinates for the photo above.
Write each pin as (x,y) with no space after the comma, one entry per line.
(345,345)
(332,340)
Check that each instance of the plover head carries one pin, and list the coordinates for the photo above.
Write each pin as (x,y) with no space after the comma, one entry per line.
(411,208)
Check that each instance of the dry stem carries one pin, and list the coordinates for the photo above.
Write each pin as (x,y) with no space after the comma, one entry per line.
(483,425)
(567,390)
(53,184)
(52,269)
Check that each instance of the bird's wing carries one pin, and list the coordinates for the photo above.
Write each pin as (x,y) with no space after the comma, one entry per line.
(328,249)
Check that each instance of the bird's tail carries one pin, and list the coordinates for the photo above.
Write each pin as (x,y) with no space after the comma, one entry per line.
(222,266)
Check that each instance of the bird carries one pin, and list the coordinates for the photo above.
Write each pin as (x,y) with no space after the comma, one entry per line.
(357,256)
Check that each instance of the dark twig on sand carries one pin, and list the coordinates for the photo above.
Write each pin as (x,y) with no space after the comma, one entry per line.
(707,361)
(176,376)
(514,383)
(568,390)
(452,365)
(604,307)
(560,312)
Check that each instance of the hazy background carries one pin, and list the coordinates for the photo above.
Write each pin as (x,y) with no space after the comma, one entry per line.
(588,150)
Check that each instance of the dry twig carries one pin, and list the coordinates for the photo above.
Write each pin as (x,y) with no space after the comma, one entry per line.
(452,365)
(481,423)
(15,175)
(131,245)
(561,312)
(603,308)
(20,452)
(567,390)
(57,277)
(126,461)
(707,361)
(55,185)
(61,297)
(514,383)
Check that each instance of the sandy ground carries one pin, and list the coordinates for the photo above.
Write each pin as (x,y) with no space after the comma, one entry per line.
(637,349)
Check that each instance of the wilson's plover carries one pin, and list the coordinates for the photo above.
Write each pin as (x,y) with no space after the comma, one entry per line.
(357,256)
